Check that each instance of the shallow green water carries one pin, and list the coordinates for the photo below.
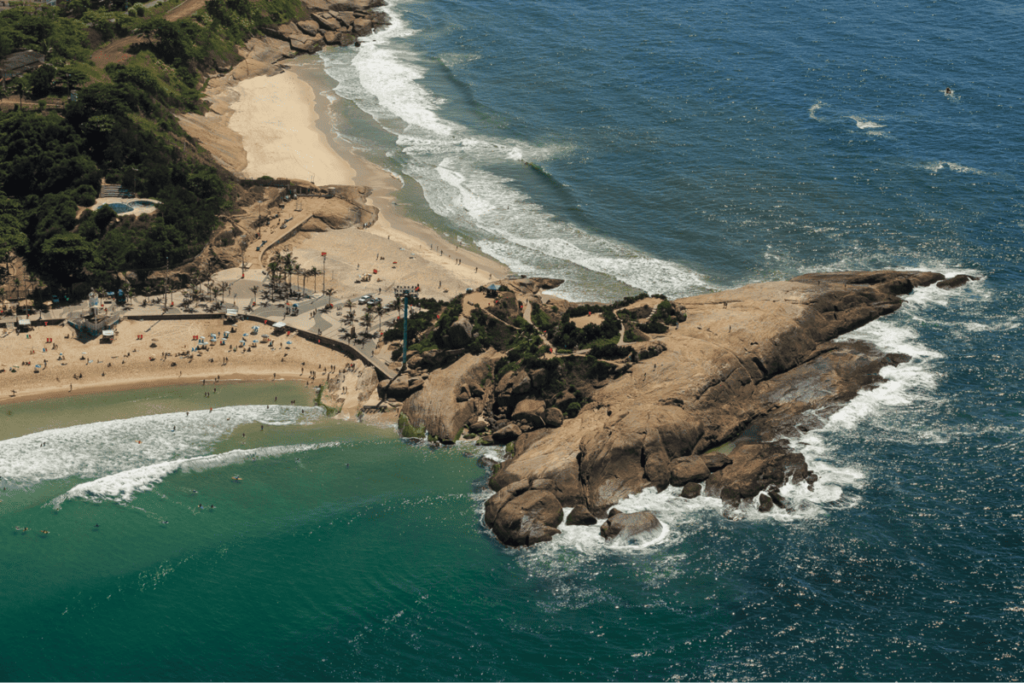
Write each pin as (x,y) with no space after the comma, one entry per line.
(306,545)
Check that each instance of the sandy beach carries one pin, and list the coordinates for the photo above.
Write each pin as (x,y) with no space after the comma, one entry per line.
(275,117)
(50,361)
(262,122)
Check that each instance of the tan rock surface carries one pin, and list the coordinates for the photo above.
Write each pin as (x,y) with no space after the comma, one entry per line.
(710,383)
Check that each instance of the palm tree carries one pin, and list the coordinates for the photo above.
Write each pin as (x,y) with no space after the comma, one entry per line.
(378,310)
(289,268)
(367,322)
(314,272)
(329,293)
(273,267)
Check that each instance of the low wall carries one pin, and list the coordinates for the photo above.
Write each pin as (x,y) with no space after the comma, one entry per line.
(339,346)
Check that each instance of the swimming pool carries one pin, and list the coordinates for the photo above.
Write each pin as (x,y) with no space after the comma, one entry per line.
(142,203)
(121,208)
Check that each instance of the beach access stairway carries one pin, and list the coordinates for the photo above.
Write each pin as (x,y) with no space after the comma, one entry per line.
(107,191)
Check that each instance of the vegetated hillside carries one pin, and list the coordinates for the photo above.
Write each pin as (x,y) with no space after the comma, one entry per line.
(121,127)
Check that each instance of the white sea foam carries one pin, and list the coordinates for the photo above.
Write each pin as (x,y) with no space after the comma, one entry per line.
(456,167)
(123,486)
(813,111)
(101,449)
(864,124)
(936,166)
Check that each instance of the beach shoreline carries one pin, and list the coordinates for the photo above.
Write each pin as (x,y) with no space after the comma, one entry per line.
(260,113)
(144,353)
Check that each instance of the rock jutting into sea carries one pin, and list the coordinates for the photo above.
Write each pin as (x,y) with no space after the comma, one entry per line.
(597,402)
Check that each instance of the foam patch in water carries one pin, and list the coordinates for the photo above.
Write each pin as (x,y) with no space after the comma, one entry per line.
(864,124)
(936,166)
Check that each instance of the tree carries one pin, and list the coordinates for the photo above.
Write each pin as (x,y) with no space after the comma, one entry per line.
(367,322)
(378,310)
(329,293)
(314,272)
(11,239)
(64,255)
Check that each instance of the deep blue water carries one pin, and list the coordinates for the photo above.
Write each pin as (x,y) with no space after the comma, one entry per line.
(681,147)
(674,147)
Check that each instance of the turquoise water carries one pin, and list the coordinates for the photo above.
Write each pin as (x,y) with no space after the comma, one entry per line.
(676,147)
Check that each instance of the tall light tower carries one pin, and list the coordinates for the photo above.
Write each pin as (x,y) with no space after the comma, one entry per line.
(404,292)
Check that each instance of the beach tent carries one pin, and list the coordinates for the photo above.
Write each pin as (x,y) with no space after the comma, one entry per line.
(279,328)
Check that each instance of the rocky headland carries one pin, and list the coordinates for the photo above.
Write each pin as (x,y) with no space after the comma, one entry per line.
(595,403)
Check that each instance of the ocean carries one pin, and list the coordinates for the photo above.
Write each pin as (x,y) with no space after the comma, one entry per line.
(670,147)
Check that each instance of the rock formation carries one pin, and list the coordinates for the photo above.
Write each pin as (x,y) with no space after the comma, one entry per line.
(745,367)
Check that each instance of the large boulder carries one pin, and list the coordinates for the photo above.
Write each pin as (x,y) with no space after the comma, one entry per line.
(580,516)
(634,451)
(691,490)
(494,504)
(631,527)
(528,519)
(512,387)
(954,282)
(436,407)
(327,22)
(401,388)
(460,334)
(509,432)
(309,45)
(688,469)
(755,468)
(530,410)
(309,27)
(553,417)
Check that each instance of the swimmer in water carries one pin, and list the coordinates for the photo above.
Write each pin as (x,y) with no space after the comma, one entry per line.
(45,532)
(163,521)
(949,91)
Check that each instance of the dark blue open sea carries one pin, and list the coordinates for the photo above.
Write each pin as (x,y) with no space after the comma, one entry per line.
(676,147)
